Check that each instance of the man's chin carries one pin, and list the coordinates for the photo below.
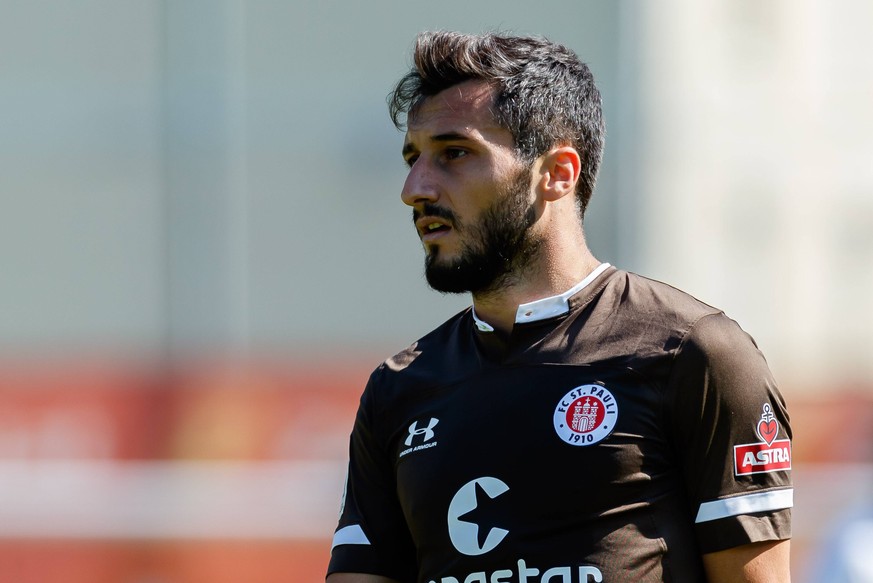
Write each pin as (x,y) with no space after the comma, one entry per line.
(444,283)
(457,277)
(443,274)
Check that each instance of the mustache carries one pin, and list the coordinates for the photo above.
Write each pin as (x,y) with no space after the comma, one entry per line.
(432,210)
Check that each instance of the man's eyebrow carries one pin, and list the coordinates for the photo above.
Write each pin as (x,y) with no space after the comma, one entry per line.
(449,137)
(408,147)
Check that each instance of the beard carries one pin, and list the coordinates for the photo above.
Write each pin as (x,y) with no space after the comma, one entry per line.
(498,249)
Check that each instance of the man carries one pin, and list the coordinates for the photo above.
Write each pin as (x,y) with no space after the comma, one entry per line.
(579,423)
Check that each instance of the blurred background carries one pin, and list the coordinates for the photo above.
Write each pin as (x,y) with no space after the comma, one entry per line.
(203,253)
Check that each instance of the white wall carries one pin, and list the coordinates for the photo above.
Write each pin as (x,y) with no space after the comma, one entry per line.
(81,191)
(757,181)
(222,175)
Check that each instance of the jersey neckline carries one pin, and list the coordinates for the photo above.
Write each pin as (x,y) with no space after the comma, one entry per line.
(545,308)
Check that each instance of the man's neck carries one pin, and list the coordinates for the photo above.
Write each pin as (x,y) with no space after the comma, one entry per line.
(499,307)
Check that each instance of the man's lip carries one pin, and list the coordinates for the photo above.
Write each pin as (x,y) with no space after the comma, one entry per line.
(423,224)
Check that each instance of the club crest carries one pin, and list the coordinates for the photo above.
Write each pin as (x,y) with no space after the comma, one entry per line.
(586,415)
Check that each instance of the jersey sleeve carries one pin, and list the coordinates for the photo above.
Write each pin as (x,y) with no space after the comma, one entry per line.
(372,536)
(731,434)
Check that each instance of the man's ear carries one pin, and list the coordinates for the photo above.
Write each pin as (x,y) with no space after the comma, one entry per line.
(559,172)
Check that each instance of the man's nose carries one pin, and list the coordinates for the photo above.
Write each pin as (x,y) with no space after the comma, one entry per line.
(420,186)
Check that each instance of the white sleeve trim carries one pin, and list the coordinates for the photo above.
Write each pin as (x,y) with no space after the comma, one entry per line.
(350,535)
(746,504)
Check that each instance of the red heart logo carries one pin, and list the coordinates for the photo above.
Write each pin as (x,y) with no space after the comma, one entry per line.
(767,430)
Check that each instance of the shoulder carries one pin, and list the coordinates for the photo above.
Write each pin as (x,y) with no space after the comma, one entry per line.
(697,333)
(635,315)
(717,348)
(650,296)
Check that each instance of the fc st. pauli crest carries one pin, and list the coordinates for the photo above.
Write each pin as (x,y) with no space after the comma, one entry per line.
(586,415)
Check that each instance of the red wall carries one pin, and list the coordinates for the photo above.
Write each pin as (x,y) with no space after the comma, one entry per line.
(256,412)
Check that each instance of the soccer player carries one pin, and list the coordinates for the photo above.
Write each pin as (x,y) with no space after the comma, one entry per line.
(578,423)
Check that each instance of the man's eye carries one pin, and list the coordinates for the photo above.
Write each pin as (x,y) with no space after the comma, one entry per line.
(454,153)
(410,160)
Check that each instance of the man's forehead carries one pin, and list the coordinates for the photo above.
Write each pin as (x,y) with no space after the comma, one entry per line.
(469,102)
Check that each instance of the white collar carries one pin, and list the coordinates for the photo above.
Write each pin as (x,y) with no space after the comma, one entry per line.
(547,307)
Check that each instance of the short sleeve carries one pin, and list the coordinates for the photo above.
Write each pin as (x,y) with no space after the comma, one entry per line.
(372,536)
(730,430)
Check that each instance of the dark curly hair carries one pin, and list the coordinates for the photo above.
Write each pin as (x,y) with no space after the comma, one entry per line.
(543,94)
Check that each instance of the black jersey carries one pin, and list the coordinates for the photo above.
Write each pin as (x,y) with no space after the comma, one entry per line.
(618,438)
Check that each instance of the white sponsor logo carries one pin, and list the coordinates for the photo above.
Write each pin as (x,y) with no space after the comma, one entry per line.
(525,574)
(427,432)
(464,533)
(586,415)
(468,538)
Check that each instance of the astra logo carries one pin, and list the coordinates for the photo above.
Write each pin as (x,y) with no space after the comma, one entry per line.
(471,527)
(414,430)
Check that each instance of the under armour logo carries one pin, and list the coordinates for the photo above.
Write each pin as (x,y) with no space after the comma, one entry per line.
(426,431)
